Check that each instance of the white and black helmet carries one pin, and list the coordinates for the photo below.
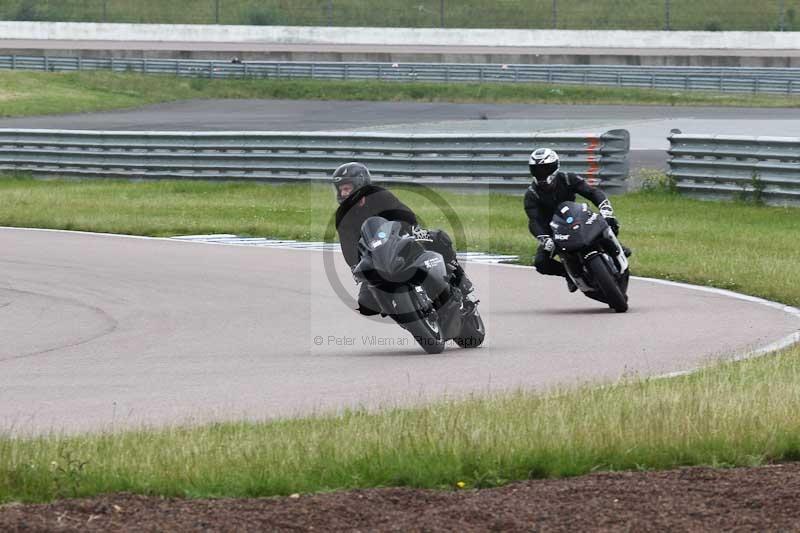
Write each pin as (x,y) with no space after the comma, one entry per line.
(354,173)
(543,165)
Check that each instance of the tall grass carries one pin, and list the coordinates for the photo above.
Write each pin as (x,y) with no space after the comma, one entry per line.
(37,93)
(735,414)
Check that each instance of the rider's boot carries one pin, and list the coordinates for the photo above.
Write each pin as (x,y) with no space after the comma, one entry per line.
(461,280)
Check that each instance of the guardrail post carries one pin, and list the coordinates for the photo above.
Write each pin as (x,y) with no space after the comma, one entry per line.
(790,87)
(144,65)
(13,62)
(782,23)
(346,71)
(112,63)
(46,64)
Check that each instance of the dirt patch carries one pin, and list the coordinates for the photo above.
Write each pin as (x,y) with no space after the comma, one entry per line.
(5,96)
(690,499)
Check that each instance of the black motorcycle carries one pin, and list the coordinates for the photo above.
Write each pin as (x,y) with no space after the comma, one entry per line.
(591,254)
(414,287)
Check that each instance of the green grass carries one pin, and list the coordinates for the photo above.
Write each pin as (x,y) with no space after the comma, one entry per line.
(732,246)
(37,93)
(571,14)
(739,414)
(745,413)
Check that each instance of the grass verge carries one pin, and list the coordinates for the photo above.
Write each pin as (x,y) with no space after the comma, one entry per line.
(38,93)
(745,413)
(742,414)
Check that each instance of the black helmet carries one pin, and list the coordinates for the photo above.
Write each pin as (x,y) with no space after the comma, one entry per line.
(543,165)
(355,174)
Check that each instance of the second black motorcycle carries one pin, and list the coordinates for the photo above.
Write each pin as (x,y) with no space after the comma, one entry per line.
(414,287)
(591,254)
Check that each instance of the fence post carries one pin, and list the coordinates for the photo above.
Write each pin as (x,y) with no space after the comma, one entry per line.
(330,12)
(782,23)
(667,16)
(216,11)
(441,13)
(105,10)
(555,14)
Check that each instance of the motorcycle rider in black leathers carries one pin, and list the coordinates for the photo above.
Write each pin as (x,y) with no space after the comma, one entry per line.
(548,189)
(358,200)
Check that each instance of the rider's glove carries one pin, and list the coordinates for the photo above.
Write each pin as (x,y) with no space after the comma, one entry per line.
(613,224)
(546,242)
(420,234)
(607,212)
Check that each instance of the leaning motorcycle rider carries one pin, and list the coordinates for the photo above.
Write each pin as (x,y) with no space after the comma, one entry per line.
(358,200)
(547,191)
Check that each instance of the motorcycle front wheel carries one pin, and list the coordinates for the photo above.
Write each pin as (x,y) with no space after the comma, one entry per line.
(473,332)
(427,332)
(604,279)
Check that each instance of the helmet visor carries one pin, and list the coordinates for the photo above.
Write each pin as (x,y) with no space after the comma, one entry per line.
(544,170)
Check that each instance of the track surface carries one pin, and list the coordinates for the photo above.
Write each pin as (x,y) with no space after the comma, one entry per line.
(102,331)
(649,125)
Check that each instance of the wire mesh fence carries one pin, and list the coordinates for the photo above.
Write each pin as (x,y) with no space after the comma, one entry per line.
(708,15)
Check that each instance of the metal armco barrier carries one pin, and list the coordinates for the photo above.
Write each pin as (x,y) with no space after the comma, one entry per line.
(481,160)
(726,166)
(717,79)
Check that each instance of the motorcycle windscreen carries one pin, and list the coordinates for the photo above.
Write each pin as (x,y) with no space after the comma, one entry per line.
(575,226)
(392,252)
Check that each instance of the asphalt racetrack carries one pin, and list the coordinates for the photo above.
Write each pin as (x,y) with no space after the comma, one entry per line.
(102,332)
